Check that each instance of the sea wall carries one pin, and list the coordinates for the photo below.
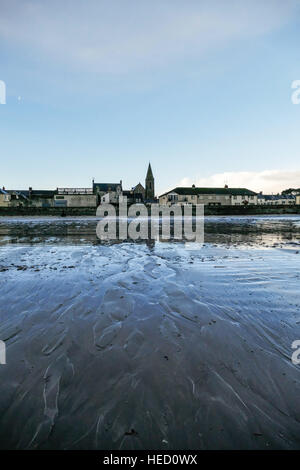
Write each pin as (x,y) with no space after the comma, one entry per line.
(91,211)
(47,211)
(252,210)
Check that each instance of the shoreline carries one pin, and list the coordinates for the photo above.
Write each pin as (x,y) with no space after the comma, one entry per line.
(91,211)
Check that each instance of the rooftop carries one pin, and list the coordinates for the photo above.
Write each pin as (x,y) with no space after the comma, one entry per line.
(33,192)
(218,191)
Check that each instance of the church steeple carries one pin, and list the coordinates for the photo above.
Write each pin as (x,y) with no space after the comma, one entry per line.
(149,184)
(149,172)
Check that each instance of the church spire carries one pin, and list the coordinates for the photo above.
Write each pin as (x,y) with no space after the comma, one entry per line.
(149,184)
(149,172)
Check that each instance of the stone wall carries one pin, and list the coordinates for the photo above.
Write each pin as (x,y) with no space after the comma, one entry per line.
(47,211)
(252,210)
(91,211)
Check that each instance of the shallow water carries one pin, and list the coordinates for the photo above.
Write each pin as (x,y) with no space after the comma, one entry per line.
(82,230)
(150,346)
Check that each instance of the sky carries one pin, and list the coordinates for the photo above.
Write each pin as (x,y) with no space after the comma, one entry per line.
(200,88)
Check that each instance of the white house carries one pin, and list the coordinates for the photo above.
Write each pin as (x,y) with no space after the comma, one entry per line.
(276,200)
(209,196)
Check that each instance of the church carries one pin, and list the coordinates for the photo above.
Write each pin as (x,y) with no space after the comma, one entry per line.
(147,193)
(114,193)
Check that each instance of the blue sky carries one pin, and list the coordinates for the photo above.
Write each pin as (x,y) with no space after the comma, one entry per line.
(202,89)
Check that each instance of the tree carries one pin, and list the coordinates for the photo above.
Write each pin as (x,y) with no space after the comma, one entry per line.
(291,191)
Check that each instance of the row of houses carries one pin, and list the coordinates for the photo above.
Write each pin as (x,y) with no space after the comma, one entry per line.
(278,199)
(224,197)
(208,196)
(98,193)
(113,193)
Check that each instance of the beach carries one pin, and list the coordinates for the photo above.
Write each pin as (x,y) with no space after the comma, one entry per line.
(150,345)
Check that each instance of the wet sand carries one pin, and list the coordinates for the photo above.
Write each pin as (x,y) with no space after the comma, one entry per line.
(135,346)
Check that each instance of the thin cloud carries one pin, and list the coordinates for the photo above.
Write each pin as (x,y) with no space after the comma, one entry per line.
(269,181)
(118,36)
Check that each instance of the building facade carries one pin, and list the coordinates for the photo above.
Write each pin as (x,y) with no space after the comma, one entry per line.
(102,189)
(31,198)
(74,197)
(139,191)
(209,196)
(276,200)
(4,198)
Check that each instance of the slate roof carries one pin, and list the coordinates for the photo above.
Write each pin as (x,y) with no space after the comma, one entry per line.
(219,191)
(139,184)
(46,193)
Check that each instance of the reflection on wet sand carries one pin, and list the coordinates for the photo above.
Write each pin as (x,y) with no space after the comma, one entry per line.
(150,346)
(252,231)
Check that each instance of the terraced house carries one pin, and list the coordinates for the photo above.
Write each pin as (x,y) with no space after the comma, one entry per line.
(4,198)
(209,196)
(277,199)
